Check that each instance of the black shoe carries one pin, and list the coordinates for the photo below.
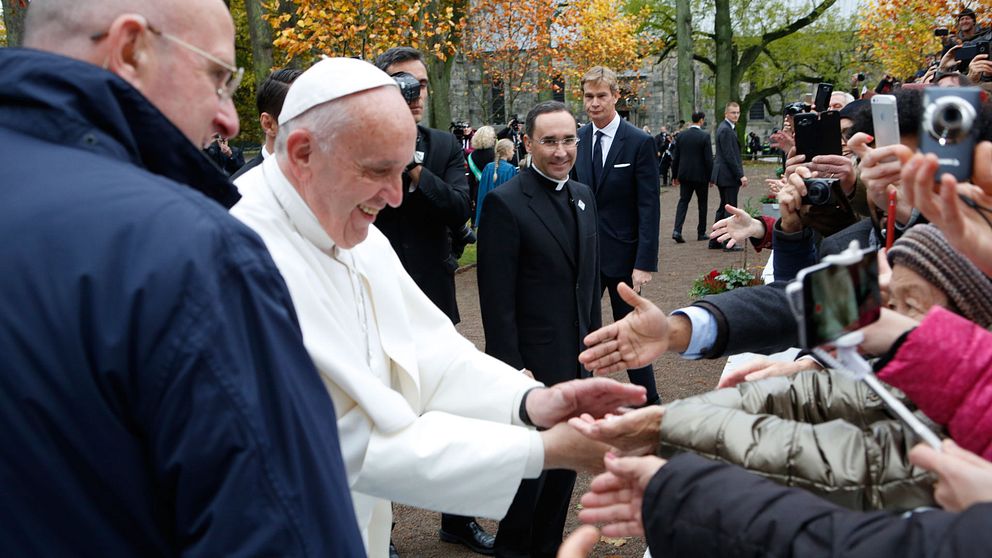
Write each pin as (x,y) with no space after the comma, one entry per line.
(655,401)
(678,238)
(714,245)
(392,550)
(702,237)
(471,535)
(734,249)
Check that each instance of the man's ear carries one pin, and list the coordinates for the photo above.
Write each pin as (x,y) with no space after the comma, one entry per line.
(301,148)
(269,123)
(527,142)
(127,49)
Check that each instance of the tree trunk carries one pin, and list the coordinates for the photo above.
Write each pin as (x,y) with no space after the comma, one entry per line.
(439,75)
(260,35)
(724,58)
(13,19)
(686,70)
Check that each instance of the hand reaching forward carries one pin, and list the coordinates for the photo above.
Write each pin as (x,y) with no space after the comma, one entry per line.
(762,367)
(636,340)
(594,396)
(615,497)
(633,433)
(737,228)
(963,478)
(580,543)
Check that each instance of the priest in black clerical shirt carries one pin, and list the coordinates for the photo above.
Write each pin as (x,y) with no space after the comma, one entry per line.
(539,290)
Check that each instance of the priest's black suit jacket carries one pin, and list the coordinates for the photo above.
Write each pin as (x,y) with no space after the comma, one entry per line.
(539,291)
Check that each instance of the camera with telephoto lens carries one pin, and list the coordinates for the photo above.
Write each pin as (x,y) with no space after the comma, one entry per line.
(819,191)
(409,86)
(798,107)
(949,128)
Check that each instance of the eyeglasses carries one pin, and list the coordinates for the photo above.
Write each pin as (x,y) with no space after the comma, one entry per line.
(553,143)
(230,81)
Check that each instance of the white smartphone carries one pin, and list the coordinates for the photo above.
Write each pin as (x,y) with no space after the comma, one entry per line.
(885,118)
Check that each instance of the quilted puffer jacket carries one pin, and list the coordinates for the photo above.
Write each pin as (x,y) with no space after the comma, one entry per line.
(821,431)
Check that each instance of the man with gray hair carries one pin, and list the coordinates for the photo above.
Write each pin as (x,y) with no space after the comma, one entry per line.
(155,394)
(427,419)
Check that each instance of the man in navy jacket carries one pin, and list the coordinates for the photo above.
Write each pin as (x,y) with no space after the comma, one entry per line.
(155,394)
(617,160)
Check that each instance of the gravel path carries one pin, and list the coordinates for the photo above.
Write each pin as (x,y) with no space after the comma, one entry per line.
(415,533)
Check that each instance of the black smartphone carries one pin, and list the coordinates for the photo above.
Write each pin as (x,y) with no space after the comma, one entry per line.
(838,299)
(965,55)
(817,134)
(982,47)
(822,96)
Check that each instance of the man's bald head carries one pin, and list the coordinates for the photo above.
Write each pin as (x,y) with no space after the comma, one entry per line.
(157,47)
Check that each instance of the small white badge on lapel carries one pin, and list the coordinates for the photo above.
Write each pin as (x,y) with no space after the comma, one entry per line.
(581,204)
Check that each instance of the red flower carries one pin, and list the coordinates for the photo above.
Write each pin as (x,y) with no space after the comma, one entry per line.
(713,274)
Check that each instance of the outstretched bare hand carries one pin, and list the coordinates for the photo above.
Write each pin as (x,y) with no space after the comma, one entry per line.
(594,396)
(634,341)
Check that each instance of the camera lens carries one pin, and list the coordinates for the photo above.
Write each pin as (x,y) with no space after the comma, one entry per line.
(819,191)
(949,119)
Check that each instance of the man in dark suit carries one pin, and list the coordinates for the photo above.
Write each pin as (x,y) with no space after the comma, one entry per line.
(539,294)
(692,166)
(268,99)
(435,202)
(617,160)
(728,170)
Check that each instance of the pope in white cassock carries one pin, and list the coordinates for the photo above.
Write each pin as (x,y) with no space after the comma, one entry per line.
(425,418)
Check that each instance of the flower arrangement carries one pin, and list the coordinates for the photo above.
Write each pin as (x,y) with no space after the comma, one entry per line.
(769,198)
(716,282)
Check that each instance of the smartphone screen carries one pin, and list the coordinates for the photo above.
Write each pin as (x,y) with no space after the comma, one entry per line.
(885,120)
(838,299)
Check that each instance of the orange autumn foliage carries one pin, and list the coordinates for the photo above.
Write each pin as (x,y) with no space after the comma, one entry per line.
(899,33)
(365,28)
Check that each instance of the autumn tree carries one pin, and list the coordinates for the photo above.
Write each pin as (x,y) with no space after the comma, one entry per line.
(899,33)
(600,33)
(366,28)
(510,41)
(13,21)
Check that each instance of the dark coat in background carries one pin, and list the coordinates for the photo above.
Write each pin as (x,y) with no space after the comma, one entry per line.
(692,156)
(728,168)
(419,229)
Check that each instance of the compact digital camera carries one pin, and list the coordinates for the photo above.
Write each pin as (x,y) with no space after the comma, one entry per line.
(949,127)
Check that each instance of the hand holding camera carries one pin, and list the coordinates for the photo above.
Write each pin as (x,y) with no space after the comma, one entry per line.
(790,197)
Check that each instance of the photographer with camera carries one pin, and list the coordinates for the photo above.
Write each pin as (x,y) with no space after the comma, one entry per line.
(228,159)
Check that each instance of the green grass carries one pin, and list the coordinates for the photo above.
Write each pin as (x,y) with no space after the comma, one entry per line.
(468,256)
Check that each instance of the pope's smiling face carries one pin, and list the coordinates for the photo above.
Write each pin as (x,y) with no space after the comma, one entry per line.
(360,172)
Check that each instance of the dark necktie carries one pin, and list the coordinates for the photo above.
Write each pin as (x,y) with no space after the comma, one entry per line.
(597,159)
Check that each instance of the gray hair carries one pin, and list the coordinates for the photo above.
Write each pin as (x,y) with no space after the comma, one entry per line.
(60,25)
(324,122)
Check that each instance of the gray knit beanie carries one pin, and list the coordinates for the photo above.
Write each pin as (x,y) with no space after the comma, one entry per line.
(924,249)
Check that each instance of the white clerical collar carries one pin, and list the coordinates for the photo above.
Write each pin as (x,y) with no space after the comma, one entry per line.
(611,128)
(296,209)
(559,183)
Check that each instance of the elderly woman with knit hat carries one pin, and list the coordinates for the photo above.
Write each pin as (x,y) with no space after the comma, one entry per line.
(830,434)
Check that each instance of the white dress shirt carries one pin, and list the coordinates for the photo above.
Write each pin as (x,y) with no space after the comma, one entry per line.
(609,132)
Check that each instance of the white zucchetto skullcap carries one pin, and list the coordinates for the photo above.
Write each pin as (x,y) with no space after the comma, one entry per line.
(330,79)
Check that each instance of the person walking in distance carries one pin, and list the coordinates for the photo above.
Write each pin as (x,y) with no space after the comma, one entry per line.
(692,166)
(728,170)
